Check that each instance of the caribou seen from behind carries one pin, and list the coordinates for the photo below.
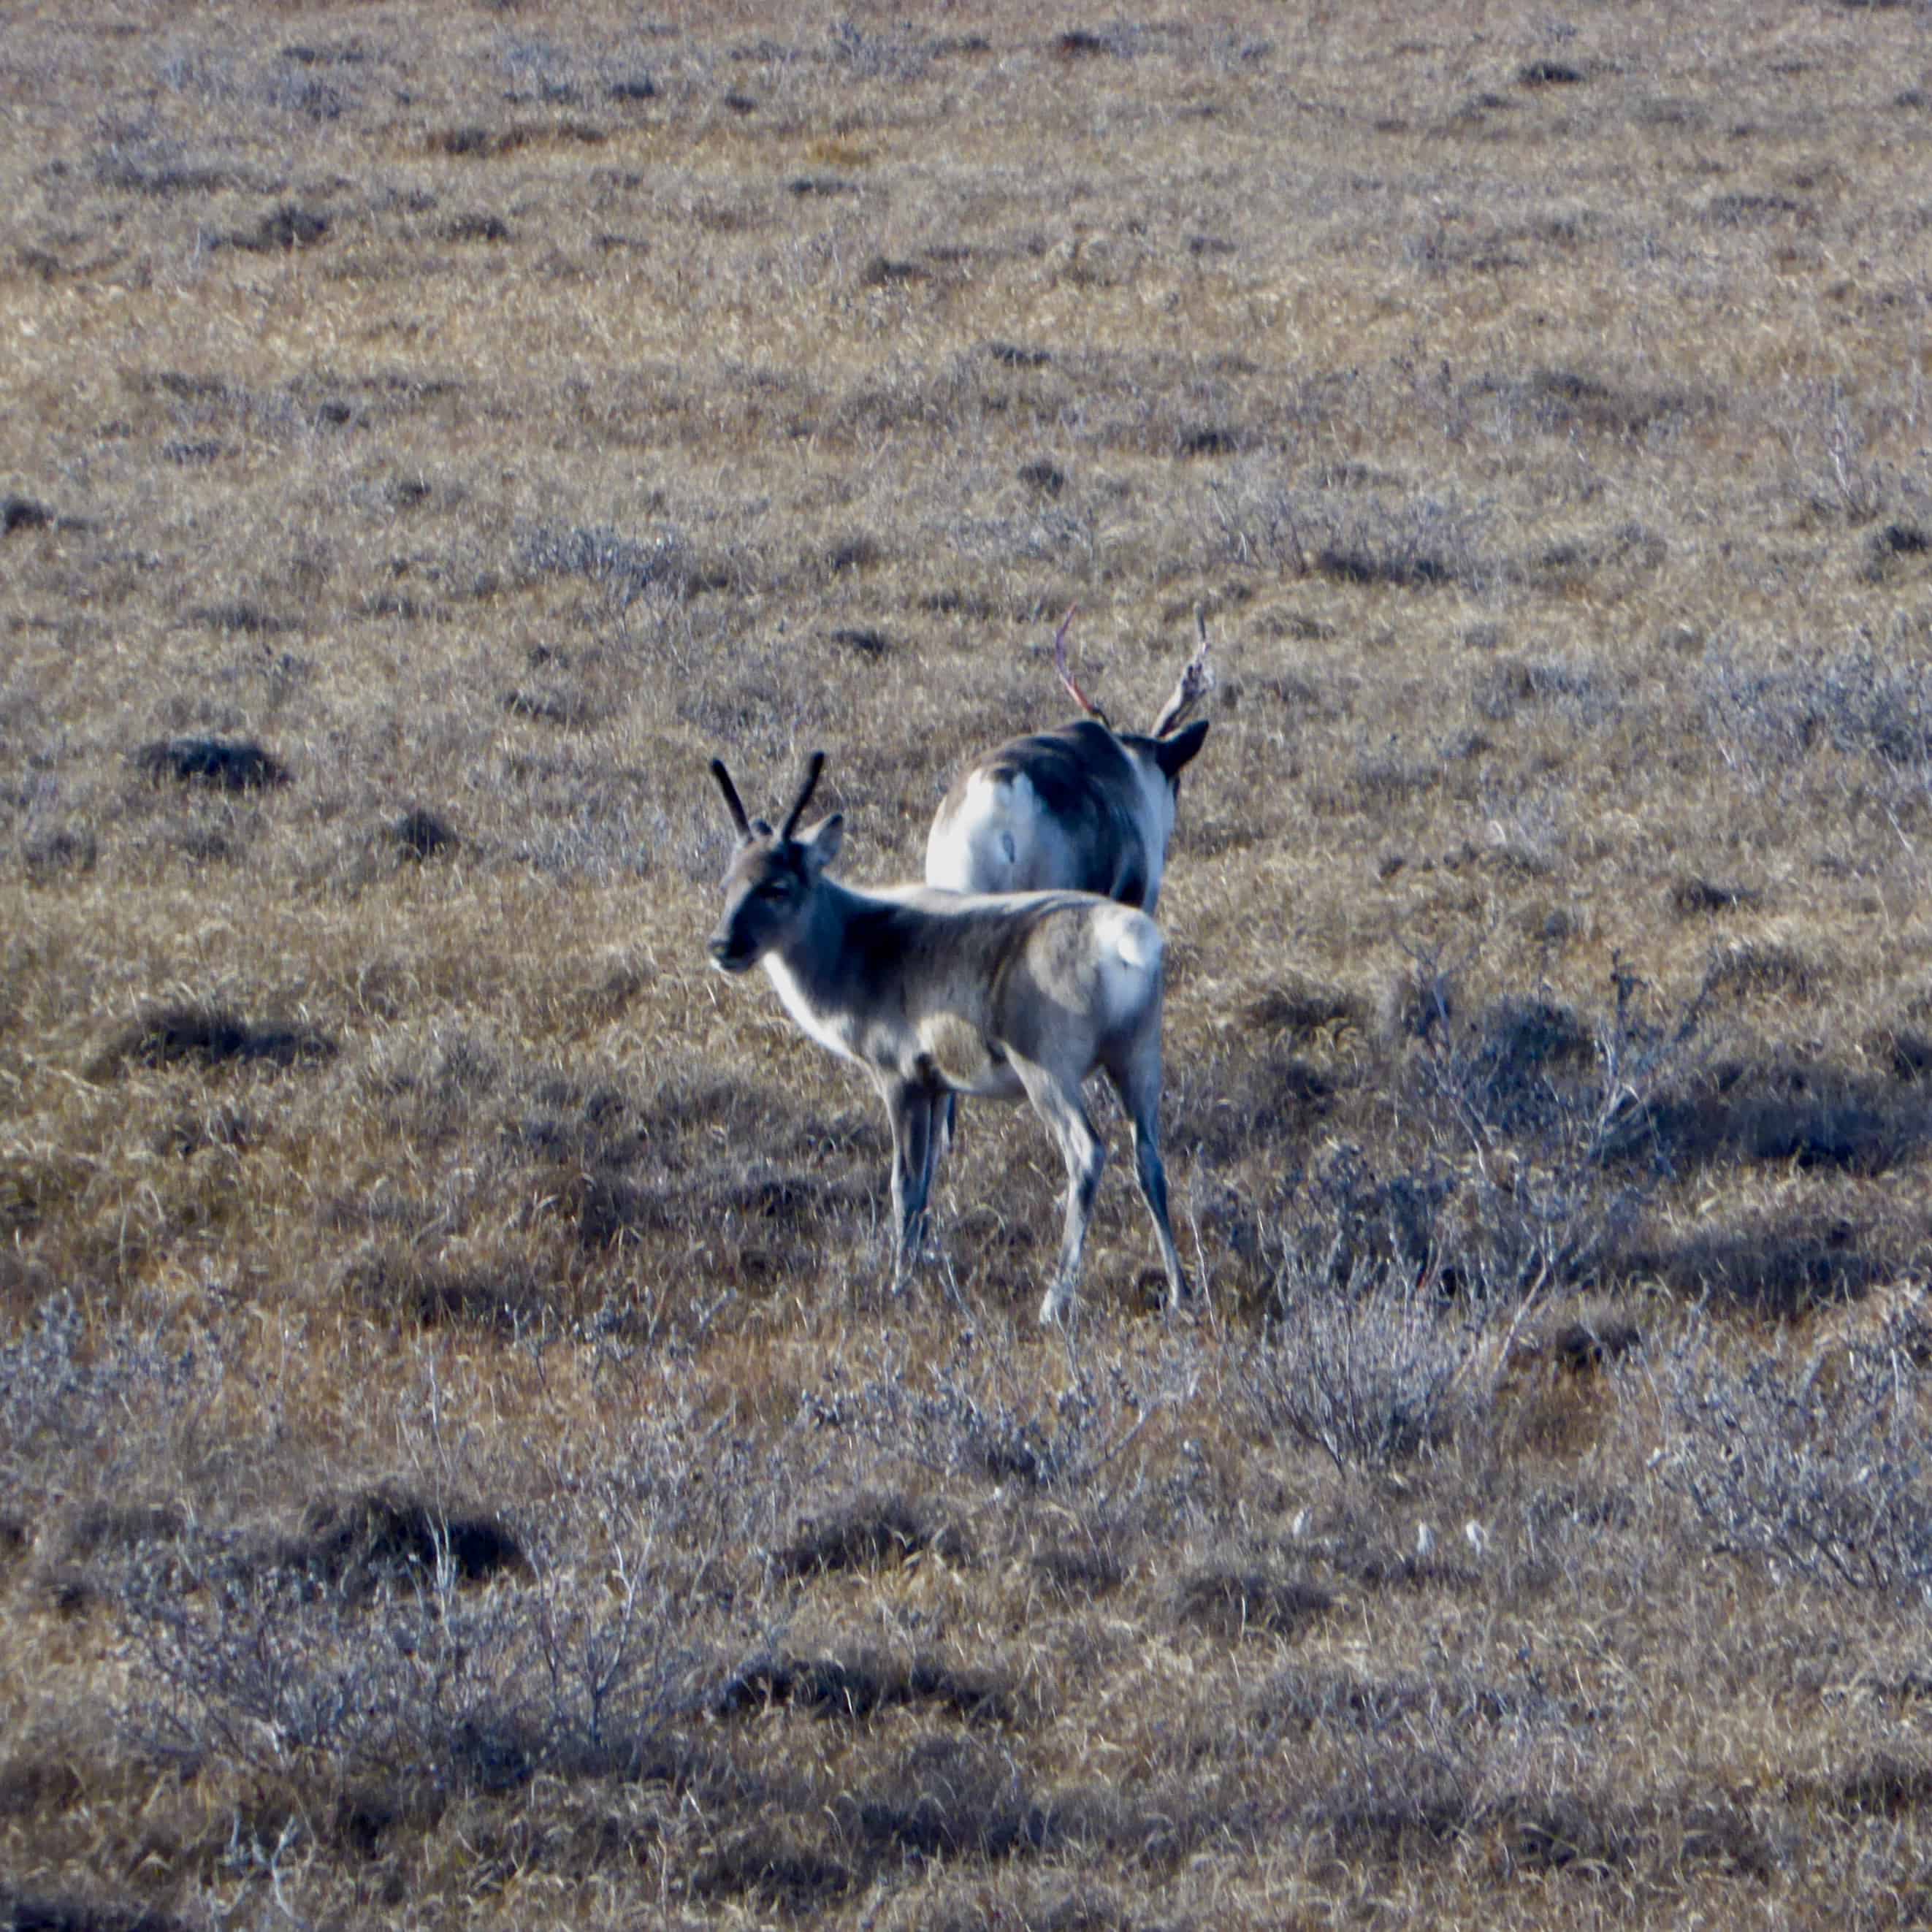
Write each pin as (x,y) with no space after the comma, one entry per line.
(936,993)
(1084,809)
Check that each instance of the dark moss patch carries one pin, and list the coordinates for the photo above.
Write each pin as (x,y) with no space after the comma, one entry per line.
(58,1911)
(949,1799)
(52,854)
(1742,210)
(227,764)
(420,835)
(857,1686)
(250,620)
(209,1036)
(507,1301)
(771,1868)
(353,1540)
(283,230)
(1072,1570)
(863,639)
(1696,895)
(1409,572)
(32,1787)
(477,228)
(869,1532)
(112,1526)
(1234,1603)
(886,271)
(1583,1347)
(1549,73)
(1017,355)
(1302,1007)
(1211,439)
(23,513)
(1045,477)
(1783,1268)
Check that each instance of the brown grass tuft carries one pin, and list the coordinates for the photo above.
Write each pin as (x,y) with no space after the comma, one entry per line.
(1236,1602)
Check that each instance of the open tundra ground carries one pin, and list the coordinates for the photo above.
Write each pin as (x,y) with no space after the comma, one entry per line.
(461,1462)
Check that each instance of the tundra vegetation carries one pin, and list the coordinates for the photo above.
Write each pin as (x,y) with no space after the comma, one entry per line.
(461,1462)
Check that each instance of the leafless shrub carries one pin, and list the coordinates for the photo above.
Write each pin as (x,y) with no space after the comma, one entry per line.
(974,1417)
(1764,723)
(1813,1463)
(624,568)
(71,1402)
(1502,688)
(393,1673)
(1371,1370)
(1393,1295)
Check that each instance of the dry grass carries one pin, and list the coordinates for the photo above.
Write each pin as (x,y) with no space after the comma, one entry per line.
(460,1461)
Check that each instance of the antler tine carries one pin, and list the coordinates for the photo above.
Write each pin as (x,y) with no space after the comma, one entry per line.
(813,767)
(1197,679)
(734,804)
(1065,670)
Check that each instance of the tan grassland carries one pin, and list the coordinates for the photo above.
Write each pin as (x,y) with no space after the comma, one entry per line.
(461,1463)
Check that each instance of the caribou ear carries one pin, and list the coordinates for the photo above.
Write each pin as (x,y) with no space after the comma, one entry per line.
(822,842)
(1178,748)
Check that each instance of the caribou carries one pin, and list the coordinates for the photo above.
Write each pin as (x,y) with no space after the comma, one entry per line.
(1085,808)
(937,993)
